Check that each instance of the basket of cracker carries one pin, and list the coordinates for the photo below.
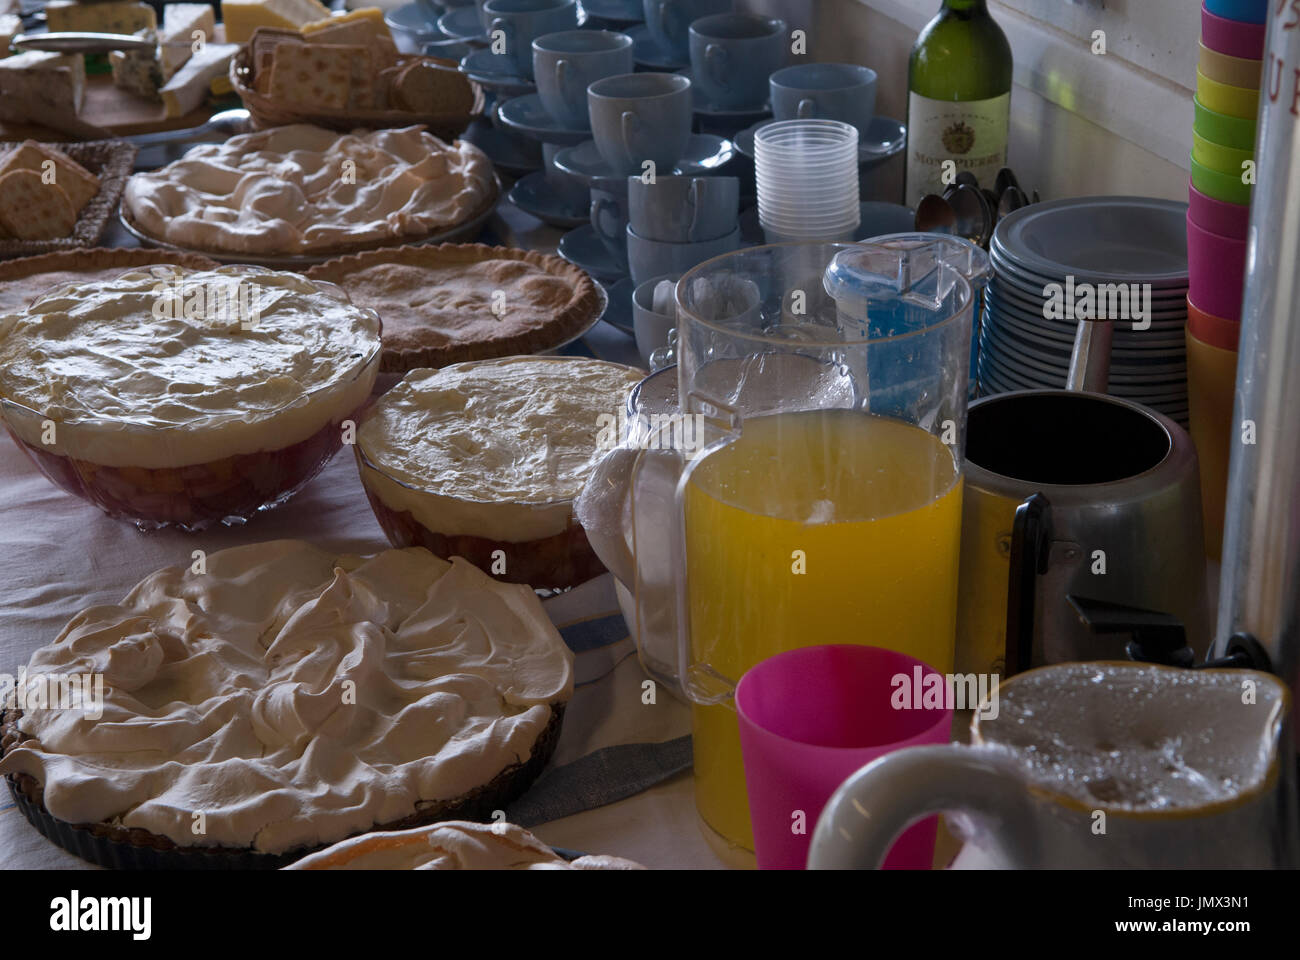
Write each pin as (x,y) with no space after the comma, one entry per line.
(345,73)
(59,196)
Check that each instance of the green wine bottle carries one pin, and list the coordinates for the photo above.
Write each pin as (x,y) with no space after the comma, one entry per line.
(959,99)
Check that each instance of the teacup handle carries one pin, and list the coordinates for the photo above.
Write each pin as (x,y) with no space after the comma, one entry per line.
(692,232)
(561,77)
(598,207)
(715,64)
(507,31)
(630,126)
(873,807)
(807,109)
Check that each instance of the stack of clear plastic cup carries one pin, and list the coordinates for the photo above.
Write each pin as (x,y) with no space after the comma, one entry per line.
(807,175)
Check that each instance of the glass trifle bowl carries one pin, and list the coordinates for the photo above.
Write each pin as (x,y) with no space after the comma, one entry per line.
(184,398)
(484,460)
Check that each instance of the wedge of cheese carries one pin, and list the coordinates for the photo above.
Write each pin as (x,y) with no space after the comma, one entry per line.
(355,26)
(40,87)
(181,23)
(242,17)
(10,26)
(189,88)
(54,166)
(107,16)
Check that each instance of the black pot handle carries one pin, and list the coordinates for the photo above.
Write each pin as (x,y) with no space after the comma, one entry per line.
(1031,538)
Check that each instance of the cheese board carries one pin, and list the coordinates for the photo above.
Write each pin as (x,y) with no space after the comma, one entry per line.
(110,112)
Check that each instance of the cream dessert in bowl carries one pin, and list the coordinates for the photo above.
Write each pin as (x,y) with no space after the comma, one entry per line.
(302,189)
(483,460)
(186,397)
(453,845)
(286,699)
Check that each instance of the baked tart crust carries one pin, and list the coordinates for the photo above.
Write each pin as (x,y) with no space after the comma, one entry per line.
(437,303)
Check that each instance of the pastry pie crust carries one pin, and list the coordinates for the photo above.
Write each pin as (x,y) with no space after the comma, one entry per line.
(25,279)
(461,325)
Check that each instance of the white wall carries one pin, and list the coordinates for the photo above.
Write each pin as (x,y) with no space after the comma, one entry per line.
(1081,123)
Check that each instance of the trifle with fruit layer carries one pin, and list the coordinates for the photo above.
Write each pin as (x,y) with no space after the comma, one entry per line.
(172,397)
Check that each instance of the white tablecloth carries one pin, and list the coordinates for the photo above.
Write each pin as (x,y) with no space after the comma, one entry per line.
(59,555)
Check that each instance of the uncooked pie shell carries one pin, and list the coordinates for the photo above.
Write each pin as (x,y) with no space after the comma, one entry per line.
(407,340)
(25,279)
(113,845)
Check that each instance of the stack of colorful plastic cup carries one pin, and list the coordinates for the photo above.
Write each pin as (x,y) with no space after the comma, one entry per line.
(1228,80)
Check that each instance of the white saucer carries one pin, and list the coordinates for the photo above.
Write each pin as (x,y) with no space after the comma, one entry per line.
(885,138)
(564,204)
(495,71)
(463,23)
(583,248)
(705,153)
(526,116)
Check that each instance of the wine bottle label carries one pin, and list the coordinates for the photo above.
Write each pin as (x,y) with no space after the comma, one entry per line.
(972,134)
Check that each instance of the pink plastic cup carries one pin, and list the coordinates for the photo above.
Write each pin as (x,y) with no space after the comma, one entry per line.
(1232,37)
(1231,220)
(1216,271)
(809,719)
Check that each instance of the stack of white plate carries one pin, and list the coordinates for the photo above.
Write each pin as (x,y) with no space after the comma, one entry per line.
(1041,252)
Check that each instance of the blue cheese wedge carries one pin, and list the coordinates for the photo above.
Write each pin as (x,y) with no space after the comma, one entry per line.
(189,88)
(185,26)
(107,16)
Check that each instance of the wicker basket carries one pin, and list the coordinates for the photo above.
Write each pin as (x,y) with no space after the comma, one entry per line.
(111,162)
(266,112)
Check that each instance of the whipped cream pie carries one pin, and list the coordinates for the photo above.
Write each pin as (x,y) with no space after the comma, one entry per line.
(453,845)
(186,396)
(291,697)
(302,189)
(483,460)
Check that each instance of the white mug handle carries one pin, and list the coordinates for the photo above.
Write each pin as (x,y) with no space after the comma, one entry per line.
(873,807)
(630,126)
(509,34)
(715,64)
(694,200)
(807,109)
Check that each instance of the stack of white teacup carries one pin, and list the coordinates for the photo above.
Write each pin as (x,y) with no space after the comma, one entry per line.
(674,223)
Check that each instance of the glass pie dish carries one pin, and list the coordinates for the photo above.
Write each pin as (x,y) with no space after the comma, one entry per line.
(264,436)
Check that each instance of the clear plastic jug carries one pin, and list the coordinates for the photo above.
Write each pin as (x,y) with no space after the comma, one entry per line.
(810,491)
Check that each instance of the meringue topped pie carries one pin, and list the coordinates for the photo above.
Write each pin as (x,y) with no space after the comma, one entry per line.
(186,397)
(483,460)
(458,302)
(302,189)
(453,845)
(287,698)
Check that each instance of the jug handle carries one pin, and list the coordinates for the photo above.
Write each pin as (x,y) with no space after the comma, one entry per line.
(612,548)
(1031,538)
(873,807)
(1090,358)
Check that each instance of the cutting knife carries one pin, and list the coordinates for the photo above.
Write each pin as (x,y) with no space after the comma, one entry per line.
(88,42)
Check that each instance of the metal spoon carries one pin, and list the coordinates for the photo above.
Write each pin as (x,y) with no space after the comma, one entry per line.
(934,214)
(1013,198)
(974,215)
(1006,179)
(967,179)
